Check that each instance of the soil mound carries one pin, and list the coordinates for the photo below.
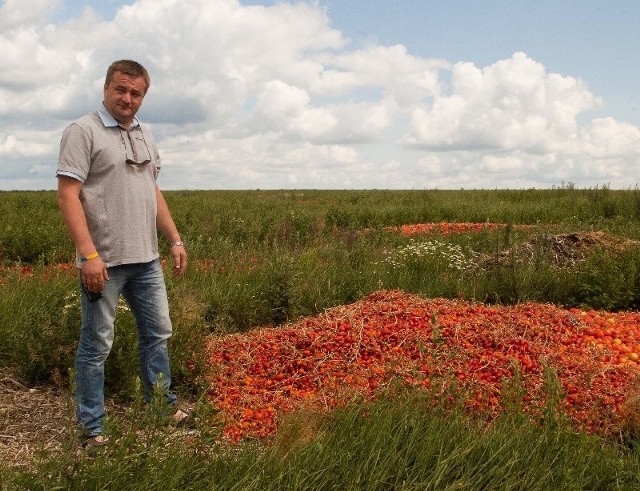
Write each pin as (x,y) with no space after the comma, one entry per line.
(562,250)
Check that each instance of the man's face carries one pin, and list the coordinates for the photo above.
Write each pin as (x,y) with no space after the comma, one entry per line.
(123,97)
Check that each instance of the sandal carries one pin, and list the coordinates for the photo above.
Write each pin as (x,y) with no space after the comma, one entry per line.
(92,443)
(182,418)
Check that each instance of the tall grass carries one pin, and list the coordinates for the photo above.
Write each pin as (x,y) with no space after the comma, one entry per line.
(394,443)
(31,228)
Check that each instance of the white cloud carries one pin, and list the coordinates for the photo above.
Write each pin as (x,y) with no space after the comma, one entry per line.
(607,138)
(25,13)
(499,163)
(288,110)
(25,144)
(512,104)
(408,78)
(256,97)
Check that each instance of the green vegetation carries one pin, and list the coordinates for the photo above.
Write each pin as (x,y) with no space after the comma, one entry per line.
(267,257)
(392,443)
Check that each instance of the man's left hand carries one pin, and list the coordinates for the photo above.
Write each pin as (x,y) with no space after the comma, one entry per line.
(179,259)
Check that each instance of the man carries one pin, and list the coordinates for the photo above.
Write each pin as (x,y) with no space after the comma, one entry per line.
(113,208)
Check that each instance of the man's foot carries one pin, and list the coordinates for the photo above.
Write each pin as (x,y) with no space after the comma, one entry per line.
(92,443)
(181,418)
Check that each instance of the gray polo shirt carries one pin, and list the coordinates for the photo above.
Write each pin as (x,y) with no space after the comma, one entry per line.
(119,198)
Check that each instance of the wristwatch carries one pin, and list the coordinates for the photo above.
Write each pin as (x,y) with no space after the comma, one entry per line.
(177,243)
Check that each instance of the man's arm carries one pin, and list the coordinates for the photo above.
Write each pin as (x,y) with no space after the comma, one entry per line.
(93,272)
(168,229)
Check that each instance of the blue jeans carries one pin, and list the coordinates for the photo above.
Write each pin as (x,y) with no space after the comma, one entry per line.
(143,287)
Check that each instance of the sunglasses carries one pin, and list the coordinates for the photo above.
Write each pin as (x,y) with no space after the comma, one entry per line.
(136,145)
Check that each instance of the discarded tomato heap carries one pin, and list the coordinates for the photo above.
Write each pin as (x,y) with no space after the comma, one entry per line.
(444,346)
(448,228)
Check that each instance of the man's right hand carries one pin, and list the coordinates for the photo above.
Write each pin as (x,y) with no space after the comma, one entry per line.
(94,274)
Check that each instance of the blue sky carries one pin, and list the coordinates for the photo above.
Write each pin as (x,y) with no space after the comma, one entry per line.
(339,94)
(595,40)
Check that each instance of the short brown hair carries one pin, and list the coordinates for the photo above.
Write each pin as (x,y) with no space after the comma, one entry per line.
(128,67)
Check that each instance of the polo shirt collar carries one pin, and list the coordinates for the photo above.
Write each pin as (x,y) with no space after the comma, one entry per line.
(109,121)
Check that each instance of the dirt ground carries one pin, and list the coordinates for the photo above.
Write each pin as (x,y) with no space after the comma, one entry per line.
(41,419)
(563,250)
(32,419)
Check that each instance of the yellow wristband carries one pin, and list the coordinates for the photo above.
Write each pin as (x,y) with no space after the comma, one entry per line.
(93,255)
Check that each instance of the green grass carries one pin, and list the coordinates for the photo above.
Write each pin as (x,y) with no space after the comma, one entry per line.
(31,228)
(269,257)
(395,443)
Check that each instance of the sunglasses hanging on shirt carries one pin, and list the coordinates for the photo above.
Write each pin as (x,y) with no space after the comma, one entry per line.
(138,147)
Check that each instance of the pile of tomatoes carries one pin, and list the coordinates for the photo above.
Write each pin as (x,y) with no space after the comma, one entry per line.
(447,228)
(456,349)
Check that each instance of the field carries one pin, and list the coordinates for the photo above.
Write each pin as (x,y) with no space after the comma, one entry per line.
(347,340)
